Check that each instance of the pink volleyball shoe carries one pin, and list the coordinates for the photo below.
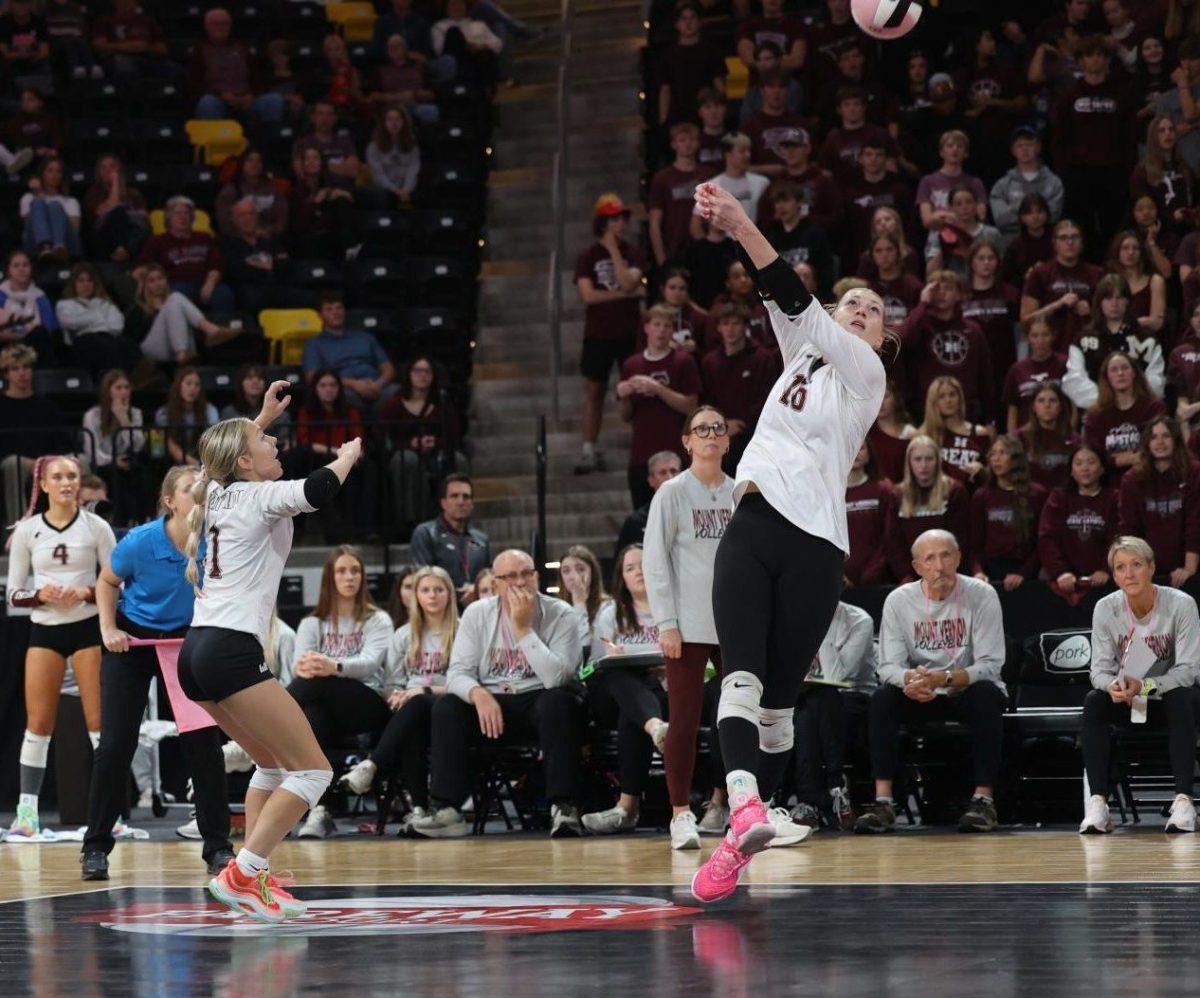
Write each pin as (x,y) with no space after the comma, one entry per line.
(718,878)
(751,826)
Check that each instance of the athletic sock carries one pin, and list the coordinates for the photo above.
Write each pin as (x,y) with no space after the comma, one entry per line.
(28,800)
(250,864)
(742,786)
(884,800)
(94,738)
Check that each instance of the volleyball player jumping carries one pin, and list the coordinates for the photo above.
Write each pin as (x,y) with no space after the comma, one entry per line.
(778,570)
(245,516)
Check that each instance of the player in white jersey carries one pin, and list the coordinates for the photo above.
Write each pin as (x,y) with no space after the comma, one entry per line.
(245,515)
(62,548)
(778,570)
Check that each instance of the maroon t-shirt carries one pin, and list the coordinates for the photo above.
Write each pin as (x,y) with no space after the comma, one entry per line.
(187,259)
(1114,431)
(1027,377)
(1048,467)
(889,453)
(868,507)
(961,449)
(686,70)
(1049,281)
(759,328)
(863,196)
(841,148)
(820,200)
(712,152)
(900,296)
(671,192)
(611,320)
(782,31)
(1024,253)
(997,310)
(1075,532)
(995,534)
(954,347)
(1183,369)
(1164,512)
(739,385)
(764,129)
(911,264)
(902,531)
(656,426)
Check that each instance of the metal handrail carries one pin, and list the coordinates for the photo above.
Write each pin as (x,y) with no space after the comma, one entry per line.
(539,539)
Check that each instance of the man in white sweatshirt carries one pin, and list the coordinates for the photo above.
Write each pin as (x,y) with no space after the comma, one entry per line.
(941,649)
(511,677)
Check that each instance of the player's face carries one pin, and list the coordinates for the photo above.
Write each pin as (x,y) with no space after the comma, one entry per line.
(60,481)
(260,463)
(861,312)
(631,573)
(433,596)
(1132,573)
(347,576)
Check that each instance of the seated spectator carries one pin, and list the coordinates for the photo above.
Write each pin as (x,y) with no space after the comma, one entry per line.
(1145,648)
(394,156)
(51,216)
(66,23)
(512,673)
(886,220)
(794,234)
(1159,244)
(1061,288)
(449,541)
(739,290)
(658,387)
(258,266)
(1160,500)
(403,81)
(1029,176)
(736,376)
(712,112)
(222,76)
(321,212)
(831,715)
(1147,288)
(737,179)
(30,425)
(114,214)
(1124,404)
(415,29)
(1078,523)
(768,124)
(890,434)
(963,443)
(473,45)
(131,44)
(249,387)
(165,322)
(418,656)
(940,342)
(686,67)
(691,320)
(190,258)
(945,633)
(25,42)
(185,415)
(1183,372)
(935,189)
(661,467)
(634,703)
(670,198)
(991,302)
(33,127)
(841,151)
(949,247)
(926,499)
(1041,367)
(92,326)
(338,153)
(1032,244)
(340,664)
(1047,437)
(1004,518)
(26,313)
(581,586)
(423,427)
(283,81)
(367,374)
(400,603)
(336,80)
(1164,175)
(1112,329)
(869,506)
(766,61)
(251,180)
(113,427)
(900,290)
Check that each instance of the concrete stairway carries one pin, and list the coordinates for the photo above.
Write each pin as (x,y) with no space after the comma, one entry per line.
(513,356)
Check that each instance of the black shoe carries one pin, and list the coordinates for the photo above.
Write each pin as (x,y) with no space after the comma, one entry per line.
(95,865)
(980,816)
(876,819)
(806,814)
(219,860)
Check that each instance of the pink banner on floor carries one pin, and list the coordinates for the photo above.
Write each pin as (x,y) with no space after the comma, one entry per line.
(189,716)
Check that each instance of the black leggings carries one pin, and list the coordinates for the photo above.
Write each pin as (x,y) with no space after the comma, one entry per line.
(1176,713)
(825,720)
(775,590)
(339,708)
(622,700)
(404,746)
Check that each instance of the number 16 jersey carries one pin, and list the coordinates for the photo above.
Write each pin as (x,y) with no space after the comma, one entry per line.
(71,556)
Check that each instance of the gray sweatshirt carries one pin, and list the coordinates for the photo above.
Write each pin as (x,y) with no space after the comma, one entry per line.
(1170,652)
(545,658)
(918,631)
(644,638)
(429,668)
(360,647)
(394,170)
(686,523)
(848,652)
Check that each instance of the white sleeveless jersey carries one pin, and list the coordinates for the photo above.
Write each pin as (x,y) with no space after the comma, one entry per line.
(71,556)
(813,422)
(248,528)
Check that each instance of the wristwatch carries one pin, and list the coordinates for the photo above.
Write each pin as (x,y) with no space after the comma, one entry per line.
(427,689)
(949,678)
(338,666)
(1148,687)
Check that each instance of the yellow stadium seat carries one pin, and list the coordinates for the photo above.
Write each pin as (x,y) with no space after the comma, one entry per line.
(286,329)
(356,20)
(737,79)
(158,222)
(216,140)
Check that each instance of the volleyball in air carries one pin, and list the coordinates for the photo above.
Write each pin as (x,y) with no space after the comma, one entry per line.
(886,19)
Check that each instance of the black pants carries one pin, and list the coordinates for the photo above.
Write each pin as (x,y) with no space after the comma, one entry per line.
(124,689)
(980,705)
(775,590)
(339,708)
(1176,712)
(404,746)
(621,699)
(825,719)
(553,717)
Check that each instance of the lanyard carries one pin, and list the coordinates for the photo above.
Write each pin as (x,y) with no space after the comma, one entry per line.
(954,651)
(1133,630)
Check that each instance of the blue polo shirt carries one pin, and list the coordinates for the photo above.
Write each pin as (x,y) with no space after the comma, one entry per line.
(156,594)
(352,355)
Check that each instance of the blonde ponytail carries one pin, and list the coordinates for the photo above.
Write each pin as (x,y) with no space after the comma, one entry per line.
(220,447)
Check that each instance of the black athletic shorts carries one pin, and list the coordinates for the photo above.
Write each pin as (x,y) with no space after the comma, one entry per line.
(66,639)
(216,663)
(599,356)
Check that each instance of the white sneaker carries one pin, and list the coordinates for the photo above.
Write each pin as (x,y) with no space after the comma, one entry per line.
(787,832)
(715,819)
(318,825)
(361,778)
(1096,820)
(416,814)
(659,736)
(237,759)
(444,823)
(615,819)
(1183,815)
(684,834)
(189,831)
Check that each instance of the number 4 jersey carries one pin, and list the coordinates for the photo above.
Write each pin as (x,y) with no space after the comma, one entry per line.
(71,556)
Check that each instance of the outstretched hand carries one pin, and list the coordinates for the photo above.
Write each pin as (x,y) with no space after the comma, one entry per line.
(720,208)
(275,401)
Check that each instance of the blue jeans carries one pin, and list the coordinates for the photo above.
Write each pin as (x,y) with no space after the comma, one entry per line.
(47,223)
(265,107)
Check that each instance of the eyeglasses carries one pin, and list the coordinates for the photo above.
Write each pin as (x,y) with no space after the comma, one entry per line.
(706,430)
(512,577)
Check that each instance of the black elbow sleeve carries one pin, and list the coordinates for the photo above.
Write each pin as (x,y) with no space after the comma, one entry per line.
(779,283)
(320,487)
